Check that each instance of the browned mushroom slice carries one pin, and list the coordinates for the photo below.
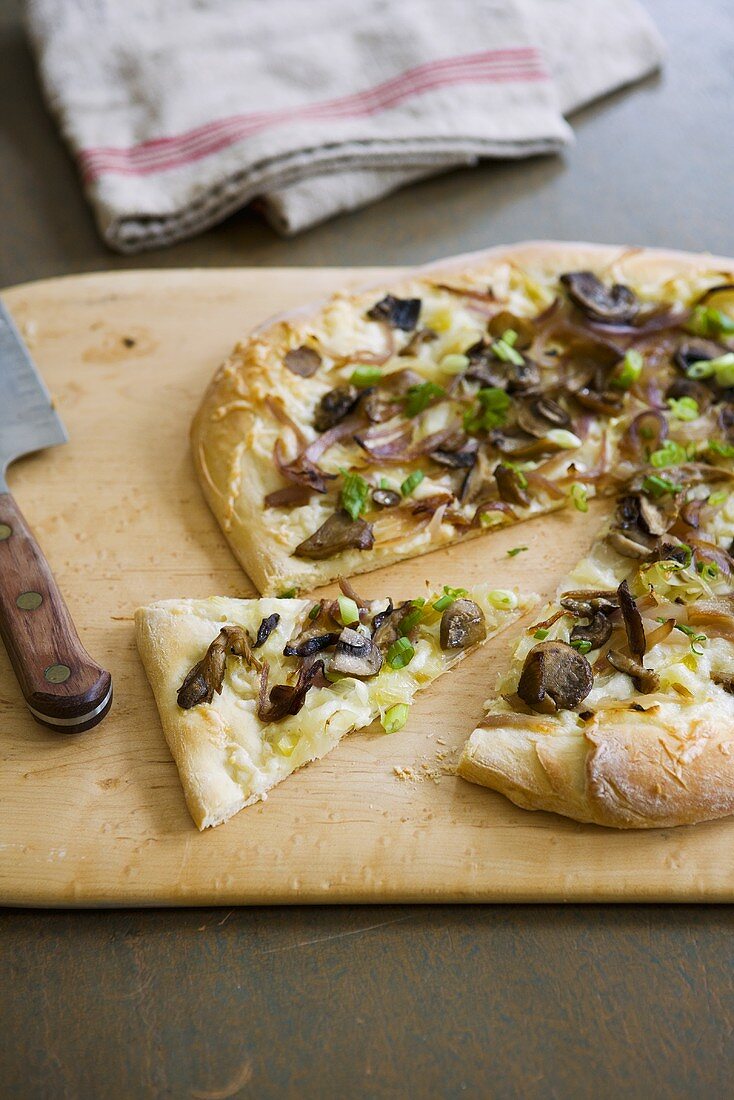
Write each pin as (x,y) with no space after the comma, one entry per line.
(632,621)
(205,679)
(339,532)
(335,405)
(607,403)
(555,676)
(630,544)
(605,304)
(399,313)
(596,632)
(510,485)
(310,641)
(671,549)
(302,361)
(462,625)
(356,655)
(489,370)
(645,680)
(417,340)
(386,498)
(285,699)
(265,629)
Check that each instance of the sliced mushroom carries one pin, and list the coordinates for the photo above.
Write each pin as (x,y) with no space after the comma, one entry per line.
(401,313)
(555,676)
(630,544)
(462,625)
(309,642)
(457,460)
(653,517)
(597,631)
(617,304)
(510,485)
(265,629)
(356,655)
(607,403)
(489,370)
(285,699)
(335,405)
(386,625)
(338,533)
(302,361)
(670,550)
(633,625)
(386,498)
(417,340)
(541,416)
(521,326)
(385,401)
(646,680)
(583,602)
(205,679)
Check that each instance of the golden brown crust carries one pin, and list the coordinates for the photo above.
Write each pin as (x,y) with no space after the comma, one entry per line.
(621,771)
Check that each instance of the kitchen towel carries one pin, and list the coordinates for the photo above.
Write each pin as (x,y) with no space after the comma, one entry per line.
(181,111)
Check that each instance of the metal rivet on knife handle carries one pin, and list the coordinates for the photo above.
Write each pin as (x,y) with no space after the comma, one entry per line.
(5,531)
(57,674)
(29,601)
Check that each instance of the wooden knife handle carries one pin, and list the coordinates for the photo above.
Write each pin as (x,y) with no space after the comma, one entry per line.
(63,687)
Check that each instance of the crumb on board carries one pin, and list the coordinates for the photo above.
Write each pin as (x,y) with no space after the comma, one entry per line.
(445,763)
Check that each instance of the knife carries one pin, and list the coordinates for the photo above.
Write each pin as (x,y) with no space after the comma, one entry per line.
(63,687)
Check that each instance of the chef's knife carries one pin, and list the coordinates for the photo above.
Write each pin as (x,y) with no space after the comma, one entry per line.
(62,685)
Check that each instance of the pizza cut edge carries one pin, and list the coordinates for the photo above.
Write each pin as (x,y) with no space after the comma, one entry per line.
(243,409)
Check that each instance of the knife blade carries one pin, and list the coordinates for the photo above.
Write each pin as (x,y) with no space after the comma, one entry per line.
(63,687)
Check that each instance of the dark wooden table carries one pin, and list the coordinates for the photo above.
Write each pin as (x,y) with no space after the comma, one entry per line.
(393,1001)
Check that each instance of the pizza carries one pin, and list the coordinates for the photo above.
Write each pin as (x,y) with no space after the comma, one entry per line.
(250,690)
(474,394)
(618,707)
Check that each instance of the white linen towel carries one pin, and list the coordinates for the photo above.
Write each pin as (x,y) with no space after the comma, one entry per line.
(181,111)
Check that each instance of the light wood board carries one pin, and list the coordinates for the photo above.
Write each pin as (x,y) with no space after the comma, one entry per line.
(100,819)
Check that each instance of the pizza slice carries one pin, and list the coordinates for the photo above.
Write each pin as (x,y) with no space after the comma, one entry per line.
(250,690)
(475,394)
(618,707)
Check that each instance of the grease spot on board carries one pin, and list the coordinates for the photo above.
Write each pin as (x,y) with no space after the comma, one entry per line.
(134,342)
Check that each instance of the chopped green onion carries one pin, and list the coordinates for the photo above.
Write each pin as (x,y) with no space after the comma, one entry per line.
(725,450)
(287,594)
(366,376)
(541,634)
(490,411)
(412,482)
(413,617)
(709,570)
(400,653)
(722,368)
(515,551)
(505,351)
(717,498)
(420,397)
(348,610)
(683,408)
(384,483)
(449,595)
(504,599)
(354,494)
(579,497)
(659,486)
(710,322)
(454,364)
(314,612)
(670,454)
(581,644)
(629,372)
(395,717)
(490,519)
(697,640)
(564,439)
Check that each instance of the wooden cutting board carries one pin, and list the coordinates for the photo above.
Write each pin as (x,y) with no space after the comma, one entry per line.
(99,819)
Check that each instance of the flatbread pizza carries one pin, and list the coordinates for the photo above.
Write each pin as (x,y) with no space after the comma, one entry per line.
(250,690)
(466,396)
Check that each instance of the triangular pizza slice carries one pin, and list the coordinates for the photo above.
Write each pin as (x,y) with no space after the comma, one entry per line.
(250,690)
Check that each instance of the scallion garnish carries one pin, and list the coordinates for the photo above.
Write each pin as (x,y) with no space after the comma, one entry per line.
(412,482)
(314,612)
(420,397)
(581,644)
(670,454)
(721,368)
(400,653)
(696,640)
(724,450)
(504,349)
(348,610)
(709,570)
(515,551)
(710,322)
(629,371)
(658,486)
(355,491)
(395,717)
(287,594)
(449,595)
(579,497)
(541,634)
(489,412)
(683,408)
(366,376)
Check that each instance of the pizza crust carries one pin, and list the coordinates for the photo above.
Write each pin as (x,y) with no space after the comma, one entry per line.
(241,413)
(628,773)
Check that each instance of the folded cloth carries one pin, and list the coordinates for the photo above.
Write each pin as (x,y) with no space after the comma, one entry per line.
(181,111)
